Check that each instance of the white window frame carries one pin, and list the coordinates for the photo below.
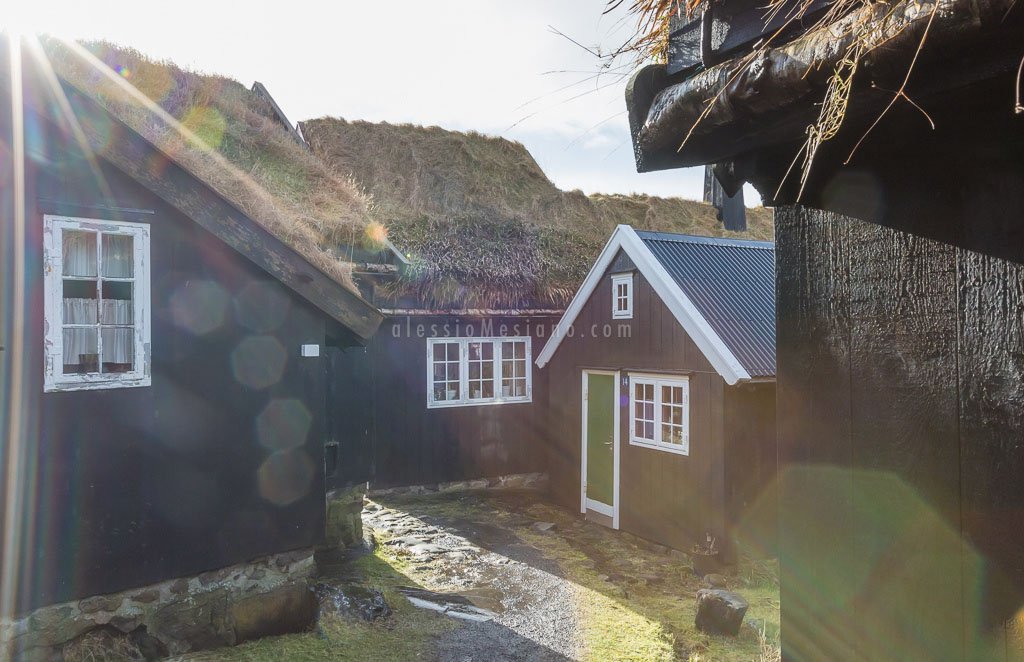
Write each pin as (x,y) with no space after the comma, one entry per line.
(464,400)
(54,378)
(627,312)
(658,381)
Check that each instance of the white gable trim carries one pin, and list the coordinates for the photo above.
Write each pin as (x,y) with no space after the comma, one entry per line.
(695,325)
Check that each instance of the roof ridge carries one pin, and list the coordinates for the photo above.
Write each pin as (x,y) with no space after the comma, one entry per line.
(698,239)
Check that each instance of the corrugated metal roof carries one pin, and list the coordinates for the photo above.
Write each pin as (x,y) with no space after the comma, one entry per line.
(732,284)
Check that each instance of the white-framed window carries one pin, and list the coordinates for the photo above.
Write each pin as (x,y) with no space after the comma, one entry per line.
(660,412)
(622,296)
(96,304)
(478,371)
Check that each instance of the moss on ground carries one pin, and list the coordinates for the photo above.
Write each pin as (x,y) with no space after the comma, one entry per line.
(636,601)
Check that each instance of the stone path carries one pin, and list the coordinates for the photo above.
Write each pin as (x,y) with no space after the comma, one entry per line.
(513,603)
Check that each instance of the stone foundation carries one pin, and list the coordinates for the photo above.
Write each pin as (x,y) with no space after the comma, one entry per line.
(531,481)
(217,608)
(344,520)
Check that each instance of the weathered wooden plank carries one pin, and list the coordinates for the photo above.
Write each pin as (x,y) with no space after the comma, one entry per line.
(991,369)
(905,450)
(814,426)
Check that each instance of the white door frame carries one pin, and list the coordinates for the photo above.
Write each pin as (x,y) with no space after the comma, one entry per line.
(614,514)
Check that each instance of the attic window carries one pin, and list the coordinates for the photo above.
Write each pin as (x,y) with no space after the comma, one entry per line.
(96,301)
(622,296)
(478,371)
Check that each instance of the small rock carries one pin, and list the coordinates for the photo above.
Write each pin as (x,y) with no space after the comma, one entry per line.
(426,549)
(353,601)
(720,611)
(215,576)
(99,603)
(147,595)
(406,541)
(543,527)
(715,580)
(179,586)
(603,578)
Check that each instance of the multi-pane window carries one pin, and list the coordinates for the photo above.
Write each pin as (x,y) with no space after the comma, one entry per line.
(622,296)
(476,371)
(660,413)
(97,303)
(446,370)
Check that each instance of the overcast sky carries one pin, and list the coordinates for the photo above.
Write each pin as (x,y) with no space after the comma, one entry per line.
(495,66)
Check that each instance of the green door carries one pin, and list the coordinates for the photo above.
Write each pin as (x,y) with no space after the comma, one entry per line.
(600,403)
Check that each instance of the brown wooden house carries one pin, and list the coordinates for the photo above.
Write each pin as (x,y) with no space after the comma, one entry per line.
(664,368)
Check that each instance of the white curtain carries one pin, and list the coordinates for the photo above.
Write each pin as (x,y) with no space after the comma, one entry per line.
(79,253)
(117,343)
(117,256)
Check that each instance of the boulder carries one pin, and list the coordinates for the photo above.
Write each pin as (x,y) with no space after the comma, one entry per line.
(720,611)
(283,610)
(352,601)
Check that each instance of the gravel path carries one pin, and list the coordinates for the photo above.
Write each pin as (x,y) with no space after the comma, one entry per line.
(519,608)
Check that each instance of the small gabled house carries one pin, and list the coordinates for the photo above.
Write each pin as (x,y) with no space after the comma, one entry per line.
(163,374)
(664,366)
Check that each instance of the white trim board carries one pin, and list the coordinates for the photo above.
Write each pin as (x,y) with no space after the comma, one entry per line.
(695,324)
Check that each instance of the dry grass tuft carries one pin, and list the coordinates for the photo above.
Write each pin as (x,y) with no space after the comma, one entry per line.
(227,136)
(102,645)
(482,223)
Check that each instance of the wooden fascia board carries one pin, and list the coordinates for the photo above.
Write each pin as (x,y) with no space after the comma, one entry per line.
(682,308)
(127,150)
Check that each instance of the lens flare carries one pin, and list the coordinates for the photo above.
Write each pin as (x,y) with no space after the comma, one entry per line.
(258,361)
(283,424)
(285,477)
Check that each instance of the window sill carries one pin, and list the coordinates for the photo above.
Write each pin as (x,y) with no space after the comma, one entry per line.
(622,316)
(654,446)
(477,403)
(87,384)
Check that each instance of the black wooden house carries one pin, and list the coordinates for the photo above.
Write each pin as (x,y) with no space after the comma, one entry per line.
(163,368)
(661,390)
(900,247)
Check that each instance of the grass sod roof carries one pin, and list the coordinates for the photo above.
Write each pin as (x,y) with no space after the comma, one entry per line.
(226,136)
(482,224)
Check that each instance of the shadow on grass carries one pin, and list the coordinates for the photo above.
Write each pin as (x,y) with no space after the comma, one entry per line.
(637,601)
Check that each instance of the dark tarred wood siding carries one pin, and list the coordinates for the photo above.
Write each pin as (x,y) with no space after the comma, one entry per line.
(900,400)
(132,486)
(413,445)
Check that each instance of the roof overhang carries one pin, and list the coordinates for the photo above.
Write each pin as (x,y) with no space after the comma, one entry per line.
(696,325)
(127,150)
(774,100)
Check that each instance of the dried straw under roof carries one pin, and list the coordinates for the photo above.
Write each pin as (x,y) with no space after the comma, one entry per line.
(482,224)
(226,136)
